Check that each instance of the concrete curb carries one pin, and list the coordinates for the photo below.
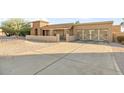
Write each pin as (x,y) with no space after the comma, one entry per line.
(115,63)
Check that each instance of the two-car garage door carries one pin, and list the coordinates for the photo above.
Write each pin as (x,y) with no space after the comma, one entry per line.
(96,35)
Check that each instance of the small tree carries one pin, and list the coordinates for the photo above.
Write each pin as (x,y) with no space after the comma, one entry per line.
(77,22)
(16,26)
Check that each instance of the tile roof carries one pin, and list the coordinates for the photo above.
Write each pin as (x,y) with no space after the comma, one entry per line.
(92,23)
(39,21)
(70,25)
(58,26)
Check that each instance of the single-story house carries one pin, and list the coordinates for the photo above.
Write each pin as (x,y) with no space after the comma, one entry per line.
(97,31)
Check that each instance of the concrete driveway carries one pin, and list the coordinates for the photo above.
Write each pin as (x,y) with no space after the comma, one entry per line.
(73,58)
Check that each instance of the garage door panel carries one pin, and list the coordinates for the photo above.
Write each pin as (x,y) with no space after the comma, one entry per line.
(103,35)
(94,35)
(86,35)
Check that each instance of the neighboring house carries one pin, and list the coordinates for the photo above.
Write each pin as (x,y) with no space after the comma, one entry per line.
(122,26)
(118,30)
(97,31)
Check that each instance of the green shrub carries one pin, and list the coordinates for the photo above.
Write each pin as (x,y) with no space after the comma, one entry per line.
(120,38)
(24,33)
(122,42)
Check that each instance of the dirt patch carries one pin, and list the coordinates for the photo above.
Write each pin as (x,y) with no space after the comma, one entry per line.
(14,47)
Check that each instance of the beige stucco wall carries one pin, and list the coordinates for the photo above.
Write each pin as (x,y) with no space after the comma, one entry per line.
(37,25)
(70,38)
(116,30)
(43,38)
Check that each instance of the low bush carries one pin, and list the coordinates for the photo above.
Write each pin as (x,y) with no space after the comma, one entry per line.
(122,42)
(120,38)
(24,33)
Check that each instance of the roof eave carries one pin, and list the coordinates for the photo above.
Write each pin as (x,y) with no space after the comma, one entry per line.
(92,23)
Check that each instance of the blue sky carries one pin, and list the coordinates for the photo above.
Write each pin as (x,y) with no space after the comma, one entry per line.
(72,20)
(83,20)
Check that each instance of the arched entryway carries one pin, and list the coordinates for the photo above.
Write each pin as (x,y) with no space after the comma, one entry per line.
(43,32)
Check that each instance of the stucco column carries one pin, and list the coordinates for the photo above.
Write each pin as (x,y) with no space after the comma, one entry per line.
(67,37)
(65,33)
(98,35)
(110,35)
(51,32)
(90,34)
(38,32)
(32,32)
(41,32)
(57,37)
(82,34)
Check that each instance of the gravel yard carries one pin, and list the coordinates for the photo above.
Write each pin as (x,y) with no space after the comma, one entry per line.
(15,47)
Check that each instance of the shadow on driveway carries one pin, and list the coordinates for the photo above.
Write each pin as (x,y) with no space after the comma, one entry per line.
(59,64)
